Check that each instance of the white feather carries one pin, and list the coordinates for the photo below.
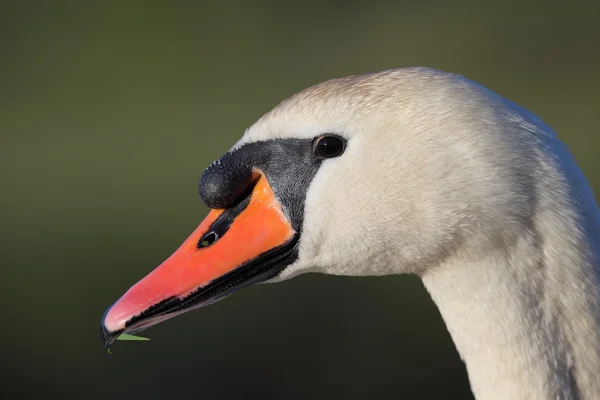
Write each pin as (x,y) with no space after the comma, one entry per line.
(447,180)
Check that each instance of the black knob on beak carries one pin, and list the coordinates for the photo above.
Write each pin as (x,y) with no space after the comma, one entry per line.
(226,181)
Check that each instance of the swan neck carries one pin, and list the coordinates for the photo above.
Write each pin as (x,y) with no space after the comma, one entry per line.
(525,319)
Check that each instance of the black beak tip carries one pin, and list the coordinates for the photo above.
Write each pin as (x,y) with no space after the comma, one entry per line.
(107,337)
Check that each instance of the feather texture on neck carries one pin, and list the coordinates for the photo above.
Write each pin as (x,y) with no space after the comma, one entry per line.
(525,314)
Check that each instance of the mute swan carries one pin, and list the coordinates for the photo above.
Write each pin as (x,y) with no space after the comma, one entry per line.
(408,171)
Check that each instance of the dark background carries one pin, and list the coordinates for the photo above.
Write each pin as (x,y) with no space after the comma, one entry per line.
(110,111)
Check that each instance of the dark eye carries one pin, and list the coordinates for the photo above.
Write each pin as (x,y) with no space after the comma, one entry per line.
(329,146)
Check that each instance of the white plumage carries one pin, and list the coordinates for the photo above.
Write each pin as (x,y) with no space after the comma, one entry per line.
(445,179)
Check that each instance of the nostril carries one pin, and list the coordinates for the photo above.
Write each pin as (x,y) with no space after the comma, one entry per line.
(207,240)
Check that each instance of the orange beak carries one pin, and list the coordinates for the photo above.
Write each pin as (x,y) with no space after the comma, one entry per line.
(231,249)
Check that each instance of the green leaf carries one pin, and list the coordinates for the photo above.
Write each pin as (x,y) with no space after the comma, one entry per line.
(126,336)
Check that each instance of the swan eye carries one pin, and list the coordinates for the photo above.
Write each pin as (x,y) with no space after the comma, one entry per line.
(329,146)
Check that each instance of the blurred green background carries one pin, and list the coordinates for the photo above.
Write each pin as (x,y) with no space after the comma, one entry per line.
(111,111)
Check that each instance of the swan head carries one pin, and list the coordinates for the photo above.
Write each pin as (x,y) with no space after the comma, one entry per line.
(384,173)
(429,164)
